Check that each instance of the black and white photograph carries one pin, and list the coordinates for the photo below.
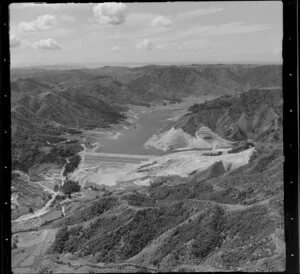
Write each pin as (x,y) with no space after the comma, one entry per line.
(147,137)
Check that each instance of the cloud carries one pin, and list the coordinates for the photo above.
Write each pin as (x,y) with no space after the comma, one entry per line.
(46,44)
(162,47)
(139,18)
(161,21)
(67,17)
(195,13)
(234,28)
(35,5)
(110,13)
(118,49)
(43,22)
(145,44)
(43,6)
(14,41)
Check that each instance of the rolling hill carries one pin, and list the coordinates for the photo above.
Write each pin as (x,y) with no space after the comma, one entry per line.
(256,114)
(216,219)
(48,103)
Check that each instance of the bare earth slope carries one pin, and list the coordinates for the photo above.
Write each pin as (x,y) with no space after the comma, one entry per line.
(256,114)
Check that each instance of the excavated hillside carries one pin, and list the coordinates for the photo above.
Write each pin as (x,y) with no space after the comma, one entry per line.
(212,220)
(256,114)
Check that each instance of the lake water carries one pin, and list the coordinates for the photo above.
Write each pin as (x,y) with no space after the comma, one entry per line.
(148,124)
(134,138)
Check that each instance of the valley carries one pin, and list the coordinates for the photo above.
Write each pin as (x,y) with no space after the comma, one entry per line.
(176,171)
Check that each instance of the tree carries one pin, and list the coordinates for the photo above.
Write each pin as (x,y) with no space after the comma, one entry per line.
(60,240)
(70,187)
(31,210)
(72,165)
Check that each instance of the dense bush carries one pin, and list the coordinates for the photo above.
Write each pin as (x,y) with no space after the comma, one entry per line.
(138,199)
(250,224)
(241,147)
(91,211)
(56,188)
(61,237)
(31,155)
(213,153)
(64,151)
(135,229)
(210,234)
(72,165)
(70,187)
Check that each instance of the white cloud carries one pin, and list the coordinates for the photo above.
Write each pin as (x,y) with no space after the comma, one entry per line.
(43,22)
(145,44)
(117,49)
(43,6)
(46,44)
(110,13)
(195,13)
(26,43)
(161,21)
(14,41)
(67,17)
(35,5)
(161,47)
(139,18)
(234,28)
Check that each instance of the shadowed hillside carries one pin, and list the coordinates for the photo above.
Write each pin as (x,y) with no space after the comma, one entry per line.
(229,221)
(256,114)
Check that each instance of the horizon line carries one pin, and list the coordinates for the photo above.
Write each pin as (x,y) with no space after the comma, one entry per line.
(126,64)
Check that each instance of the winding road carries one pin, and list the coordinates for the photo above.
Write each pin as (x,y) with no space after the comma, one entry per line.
(41,211)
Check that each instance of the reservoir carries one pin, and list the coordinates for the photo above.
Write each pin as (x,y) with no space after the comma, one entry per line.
(148,123)
(133,139)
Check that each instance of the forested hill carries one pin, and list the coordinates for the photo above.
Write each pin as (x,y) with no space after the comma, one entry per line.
(214,219)
(143,84)
(47,103)
(255,114)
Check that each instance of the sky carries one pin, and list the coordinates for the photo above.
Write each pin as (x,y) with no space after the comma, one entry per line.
(166,32)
